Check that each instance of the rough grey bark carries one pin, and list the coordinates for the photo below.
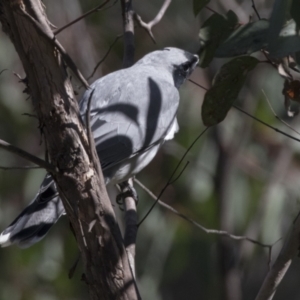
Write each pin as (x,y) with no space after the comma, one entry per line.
(107,271)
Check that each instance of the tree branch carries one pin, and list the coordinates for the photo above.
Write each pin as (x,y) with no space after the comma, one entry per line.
(34,159)
(128,29)
(131,228)
(204,229)
(172,179)
(105,55)
(19,168)
(282,263)
(97,8)
(52,39)
(148,26)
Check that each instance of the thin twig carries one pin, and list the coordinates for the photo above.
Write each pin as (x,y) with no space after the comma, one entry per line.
(34,159)
(148,26)
(253,117)
(210,9)
(206,230)
(74,266)
(19,168)
(277,117)
(180,173)
(199,85)
(170,180)
(30,115)
(105,55)
(266,124)
(50,37)
(97,8)
(2,71)
(255,10)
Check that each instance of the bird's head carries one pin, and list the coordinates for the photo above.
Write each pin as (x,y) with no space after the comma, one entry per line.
(178,62)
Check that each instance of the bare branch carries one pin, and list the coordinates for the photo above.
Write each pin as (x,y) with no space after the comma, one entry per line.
(34,159)
(95,9)
(193,222)
(276,116)
(171,179)
(266,124)
(289,251)
(19,168)
(255,10)
(128,29)
(148,26)
(74,266)
(212,10)
(105,55)
(145,26)
(160,14)
(253,117)
(3,71)
(51,38)
(131,228)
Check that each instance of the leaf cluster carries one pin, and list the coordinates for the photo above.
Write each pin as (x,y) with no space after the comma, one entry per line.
(223,36)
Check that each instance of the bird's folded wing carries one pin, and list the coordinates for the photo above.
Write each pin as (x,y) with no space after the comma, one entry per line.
(129,116)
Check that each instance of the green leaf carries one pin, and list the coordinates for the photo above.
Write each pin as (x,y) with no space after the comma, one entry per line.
(246,39)
(198,5)
(226,87)
(213,32)
(295,11)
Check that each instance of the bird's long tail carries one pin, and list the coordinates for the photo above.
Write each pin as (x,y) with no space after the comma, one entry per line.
(36,219)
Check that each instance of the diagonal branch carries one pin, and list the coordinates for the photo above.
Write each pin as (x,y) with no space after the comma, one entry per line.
(34,159)
(19,168)
(206,230)
(97,8)
(253,117)
(48,35)
(288,252)
(172,179)
(105,55)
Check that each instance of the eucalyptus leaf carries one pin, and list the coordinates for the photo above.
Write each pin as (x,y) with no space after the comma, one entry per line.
(213,32)
(246,39)
(226,87)
(198,5)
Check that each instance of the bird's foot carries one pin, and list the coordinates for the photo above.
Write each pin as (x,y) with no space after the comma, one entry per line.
(127,190)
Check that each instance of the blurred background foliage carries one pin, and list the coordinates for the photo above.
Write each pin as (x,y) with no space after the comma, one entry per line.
(242,177)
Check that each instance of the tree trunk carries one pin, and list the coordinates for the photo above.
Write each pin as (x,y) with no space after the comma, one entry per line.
(81,186)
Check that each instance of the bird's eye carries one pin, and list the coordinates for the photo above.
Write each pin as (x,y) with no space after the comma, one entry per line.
(186,67)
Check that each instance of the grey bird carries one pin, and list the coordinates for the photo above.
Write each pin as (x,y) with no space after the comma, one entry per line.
(133,112)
